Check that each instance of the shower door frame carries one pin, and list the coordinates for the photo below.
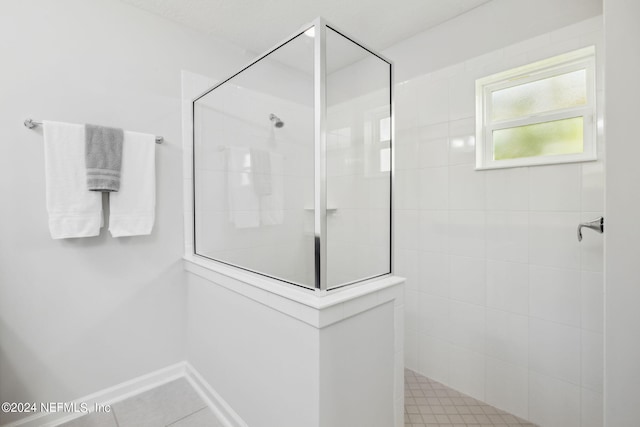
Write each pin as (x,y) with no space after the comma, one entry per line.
(320,26)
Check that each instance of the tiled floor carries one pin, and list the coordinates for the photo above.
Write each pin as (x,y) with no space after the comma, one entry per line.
(428,403)
(175,404)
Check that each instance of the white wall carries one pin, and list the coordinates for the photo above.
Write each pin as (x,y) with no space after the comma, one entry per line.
(78,316)
(622,203)
(263,363)
(288,358)
(357,370)
(503,303)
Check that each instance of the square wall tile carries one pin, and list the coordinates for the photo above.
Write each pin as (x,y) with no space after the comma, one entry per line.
(553,241)
(592,186)
(553,402)
(434,188)
(508,236)
(592,361)
(554,294)
(467,372)
(467,233)
(376,189)
(214,196)
(467,326)
(462,127)
(433,228)
(433,97)
(466,188)
(554,350)
(467,279)
(434,316)
(406,189)
(508,286)
(507,337)
(592,301)
(404,116)
(555,187)
(462,150)
(433,132)
(433,152)
(411,349)
(344,191)
(462,142)
(406,151)
(507,189)
(462,96)
(406,223)
(433,358)
(406,265)
(434,273)
(507,387)
(412,307)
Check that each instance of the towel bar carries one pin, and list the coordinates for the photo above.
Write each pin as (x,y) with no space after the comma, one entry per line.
(30,124)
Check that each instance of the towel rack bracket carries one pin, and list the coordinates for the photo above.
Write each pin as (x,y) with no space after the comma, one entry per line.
(30,124)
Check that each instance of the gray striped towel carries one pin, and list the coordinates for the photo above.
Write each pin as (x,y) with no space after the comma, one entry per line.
(103,157)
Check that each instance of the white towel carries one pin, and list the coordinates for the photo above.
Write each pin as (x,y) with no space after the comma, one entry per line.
(73,210)
(133,206)
(244,206)
(272,205)
(261,172)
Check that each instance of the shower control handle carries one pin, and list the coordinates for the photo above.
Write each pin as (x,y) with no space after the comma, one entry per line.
(597,225)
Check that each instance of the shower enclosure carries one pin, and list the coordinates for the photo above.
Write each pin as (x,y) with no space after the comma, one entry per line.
(292,163)
(291,173)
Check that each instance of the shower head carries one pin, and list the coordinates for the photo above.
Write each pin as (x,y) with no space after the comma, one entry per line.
(276,120)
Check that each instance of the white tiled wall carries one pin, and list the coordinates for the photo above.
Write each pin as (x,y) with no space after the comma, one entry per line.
(503,302)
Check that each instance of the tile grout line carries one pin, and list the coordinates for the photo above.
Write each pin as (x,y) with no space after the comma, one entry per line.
(187,416)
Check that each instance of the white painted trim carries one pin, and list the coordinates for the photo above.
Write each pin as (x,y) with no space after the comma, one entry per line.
(225,414)
(106,396)
(316,308)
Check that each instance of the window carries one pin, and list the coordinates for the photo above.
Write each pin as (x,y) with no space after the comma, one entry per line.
(540,113)
(377,136)
(384,137)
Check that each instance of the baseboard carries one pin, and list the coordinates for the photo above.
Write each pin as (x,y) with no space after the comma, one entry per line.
(136,386)
(223,411)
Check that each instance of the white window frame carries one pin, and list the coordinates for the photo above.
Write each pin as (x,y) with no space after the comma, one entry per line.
(582,59)
(375,146)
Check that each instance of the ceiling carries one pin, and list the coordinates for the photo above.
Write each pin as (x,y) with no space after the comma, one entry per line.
(257,25)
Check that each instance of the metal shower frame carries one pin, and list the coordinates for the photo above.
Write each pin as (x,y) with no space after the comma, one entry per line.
(320,26)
